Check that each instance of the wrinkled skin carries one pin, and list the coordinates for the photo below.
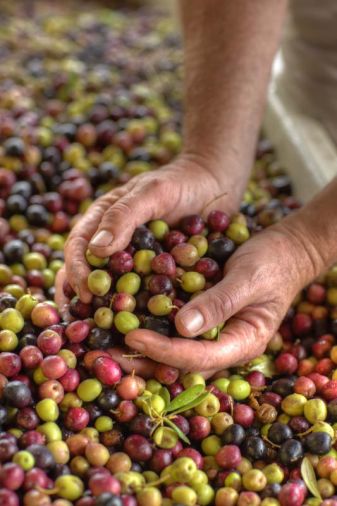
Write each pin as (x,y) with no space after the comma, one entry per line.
(261,278)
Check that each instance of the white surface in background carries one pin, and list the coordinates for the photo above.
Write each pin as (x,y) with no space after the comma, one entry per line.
(303,145)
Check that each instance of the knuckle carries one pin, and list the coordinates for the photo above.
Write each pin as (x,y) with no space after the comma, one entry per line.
(100,204)
(204,360)
(103,202)
(222,303)
(259,276)
(75,246)
(156,182)
(120,209)
(156,185)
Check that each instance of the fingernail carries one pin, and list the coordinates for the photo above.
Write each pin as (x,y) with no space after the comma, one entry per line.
(192,320)
(138,345)
(102,238)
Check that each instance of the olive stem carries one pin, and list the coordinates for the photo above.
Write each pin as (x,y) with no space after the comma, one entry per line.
(133,355)
(157,482)
(47,491)
(274,445)
(302,434)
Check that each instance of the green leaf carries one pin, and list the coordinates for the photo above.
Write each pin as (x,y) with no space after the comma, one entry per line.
(309,477)
(177,430)
(186,397)
(191,404)
(165,394)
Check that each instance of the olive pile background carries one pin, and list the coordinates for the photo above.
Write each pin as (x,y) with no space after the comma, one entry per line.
(88,99)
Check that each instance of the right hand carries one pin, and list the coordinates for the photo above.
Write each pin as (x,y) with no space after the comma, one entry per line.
(260,282)
(185,186)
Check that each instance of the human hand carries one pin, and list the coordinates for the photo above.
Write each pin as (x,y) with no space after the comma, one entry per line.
(261,280)
(186,186)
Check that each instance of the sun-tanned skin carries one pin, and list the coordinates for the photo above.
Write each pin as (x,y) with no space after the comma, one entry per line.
(229,48)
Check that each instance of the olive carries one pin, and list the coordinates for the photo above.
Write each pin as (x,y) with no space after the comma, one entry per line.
(37,215)
(108,399)
(14,250)
(22,188)
(15,147)
(143,238)
(254,447)
(221,249)
(157,324)
(99,339)
(16,204)
(234,434)
(279,432)
(290,452)
(318,443)
(283,386)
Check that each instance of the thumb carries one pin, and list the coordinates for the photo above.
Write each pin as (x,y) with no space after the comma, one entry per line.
(216,305)
(120,220)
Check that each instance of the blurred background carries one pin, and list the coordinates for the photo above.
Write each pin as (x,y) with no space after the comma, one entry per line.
(108,36)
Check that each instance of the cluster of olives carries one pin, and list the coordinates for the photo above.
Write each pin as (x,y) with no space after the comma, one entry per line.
(76,429)
(88,101)
(159,272)
(80,113)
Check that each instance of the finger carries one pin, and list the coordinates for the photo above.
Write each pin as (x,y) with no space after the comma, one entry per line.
(216,305)
(142,366)
(61,300)
(239,341)
(143,203)
(77,268)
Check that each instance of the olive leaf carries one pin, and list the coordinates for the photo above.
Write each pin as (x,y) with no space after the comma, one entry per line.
(177,430)
(165,394)
(309,477)
(189,395)
(191,404)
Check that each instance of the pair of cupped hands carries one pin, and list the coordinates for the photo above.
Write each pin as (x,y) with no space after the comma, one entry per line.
(260,280)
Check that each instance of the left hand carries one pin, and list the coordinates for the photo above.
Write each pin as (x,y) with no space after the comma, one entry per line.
(185,186)
(261,280)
